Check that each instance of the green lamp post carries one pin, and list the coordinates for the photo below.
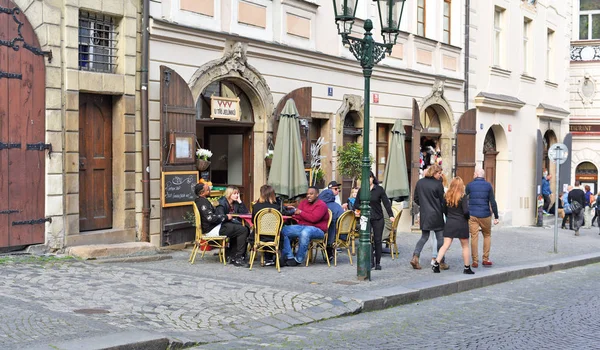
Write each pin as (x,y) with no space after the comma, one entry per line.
(368,53)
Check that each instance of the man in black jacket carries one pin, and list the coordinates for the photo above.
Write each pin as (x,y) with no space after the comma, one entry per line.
(211,220)
(577,195)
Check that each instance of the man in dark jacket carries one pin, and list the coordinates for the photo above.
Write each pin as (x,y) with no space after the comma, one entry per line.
(429,196)
(328,196)
(211,220)
(481,197)
(577,195)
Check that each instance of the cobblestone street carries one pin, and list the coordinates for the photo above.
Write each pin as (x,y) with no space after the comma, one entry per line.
(552,311)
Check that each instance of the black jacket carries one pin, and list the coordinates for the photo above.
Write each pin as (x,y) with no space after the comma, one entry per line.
(208,215)
(457,218)
(378,197)
(578,195)
(238,208)
(429,195)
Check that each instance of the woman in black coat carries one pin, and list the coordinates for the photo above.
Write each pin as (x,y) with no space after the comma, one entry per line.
(456,208)
(429,196)
(378,197)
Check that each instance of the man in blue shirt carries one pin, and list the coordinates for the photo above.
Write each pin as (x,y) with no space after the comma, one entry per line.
(546,192)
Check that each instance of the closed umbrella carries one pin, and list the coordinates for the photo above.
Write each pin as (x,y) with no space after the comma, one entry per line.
(395,180)
(287,174)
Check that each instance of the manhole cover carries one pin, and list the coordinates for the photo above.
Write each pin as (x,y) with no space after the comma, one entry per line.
(91,311)
(346,283)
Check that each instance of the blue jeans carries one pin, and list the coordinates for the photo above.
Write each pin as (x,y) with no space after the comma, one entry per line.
(304,234)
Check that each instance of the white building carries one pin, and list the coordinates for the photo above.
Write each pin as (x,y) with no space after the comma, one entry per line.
(263,52)
(518,83)
(585,101)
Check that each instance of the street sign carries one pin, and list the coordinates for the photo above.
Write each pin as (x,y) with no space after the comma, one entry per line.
(558,152)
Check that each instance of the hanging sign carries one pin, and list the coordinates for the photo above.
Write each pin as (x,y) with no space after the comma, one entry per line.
(224,108)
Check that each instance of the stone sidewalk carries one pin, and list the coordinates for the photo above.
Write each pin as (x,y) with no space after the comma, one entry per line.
(63,304)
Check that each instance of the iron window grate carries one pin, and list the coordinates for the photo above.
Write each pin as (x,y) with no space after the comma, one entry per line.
(97,42)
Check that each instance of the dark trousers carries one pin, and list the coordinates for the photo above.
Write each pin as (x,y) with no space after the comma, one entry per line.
(238,234)
(570,218)
(546,202)
(377,226)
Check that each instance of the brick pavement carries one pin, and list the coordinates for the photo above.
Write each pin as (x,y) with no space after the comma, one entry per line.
(209,302)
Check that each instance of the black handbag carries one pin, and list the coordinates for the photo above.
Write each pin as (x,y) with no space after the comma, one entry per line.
(576,207)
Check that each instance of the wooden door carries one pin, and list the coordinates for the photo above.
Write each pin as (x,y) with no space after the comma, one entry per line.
(415,149)
(22,132)
(95,162)
(466,132)
(489,165)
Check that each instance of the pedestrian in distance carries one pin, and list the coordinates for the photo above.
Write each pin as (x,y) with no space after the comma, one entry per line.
(567,209)
(429,196)
(546,191)
(481,198)
(577,200)
(378,198)
(456,208)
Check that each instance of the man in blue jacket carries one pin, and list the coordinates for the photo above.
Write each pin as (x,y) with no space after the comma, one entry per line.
(328,196)
(546,191)
(481,197)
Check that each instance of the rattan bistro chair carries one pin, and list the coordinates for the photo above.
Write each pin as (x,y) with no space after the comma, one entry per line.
(346,224)
(391,240)
(267,225)
(316,244)
(219,242)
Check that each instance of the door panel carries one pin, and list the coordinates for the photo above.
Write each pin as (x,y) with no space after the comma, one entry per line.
(95,162)
(22,122)
(489,165)
(465,145)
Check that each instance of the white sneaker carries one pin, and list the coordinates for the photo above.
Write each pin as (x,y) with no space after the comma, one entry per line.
(432,261)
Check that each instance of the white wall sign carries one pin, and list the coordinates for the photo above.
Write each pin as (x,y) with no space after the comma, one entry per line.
(225,108)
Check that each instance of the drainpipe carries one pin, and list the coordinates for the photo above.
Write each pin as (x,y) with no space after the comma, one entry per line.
(467,25)
(145,232)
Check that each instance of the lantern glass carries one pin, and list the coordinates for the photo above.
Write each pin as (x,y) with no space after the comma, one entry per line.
(344,14)
(390,13)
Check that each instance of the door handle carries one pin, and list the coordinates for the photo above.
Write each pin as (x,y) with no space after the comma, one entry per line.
(81,165)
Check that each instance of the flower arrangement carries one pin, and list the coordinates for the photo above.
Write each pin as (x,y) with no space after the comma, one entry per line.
(203,154)
(269,154)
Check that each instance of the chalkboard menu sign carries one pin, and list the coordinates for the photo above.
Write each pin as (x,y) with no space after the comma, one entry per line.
(178,188)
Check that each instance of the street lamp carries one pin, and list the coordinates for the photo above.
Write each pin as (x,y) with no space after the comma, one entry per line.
(368,53)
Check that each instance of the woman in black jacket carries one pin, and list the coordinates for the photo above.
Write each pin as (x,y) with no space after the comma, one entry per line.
(231,203)
(456,208)
(429,196)
(378,197)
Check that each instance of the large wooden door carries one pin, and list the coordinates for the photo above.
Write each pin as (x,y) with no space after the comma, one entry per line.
(466,132)
(22,127)
(95,162)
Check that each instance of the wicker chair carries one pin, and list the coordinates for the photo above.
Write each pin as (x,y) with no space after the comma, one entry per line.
(267,224)
(391,240)
(321,244)
(219,242)
(345,225)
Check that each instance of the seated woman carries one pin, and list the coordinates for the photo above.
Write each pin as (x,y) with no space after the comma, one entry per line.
(267,199)
(231,203)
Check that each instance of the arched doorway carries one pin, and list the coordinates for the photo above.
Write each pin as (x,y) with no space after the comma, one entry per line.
(230,141)
(435,141)
(489,157)
(22,132)
(351,132)
(587,174)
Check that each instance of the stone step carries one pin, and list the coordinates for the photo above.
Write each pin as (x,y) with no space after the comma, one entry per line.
(120,250)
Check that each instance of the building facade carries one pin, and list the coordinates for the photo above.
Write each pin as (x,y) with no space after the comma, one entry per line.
(259,54)
(70,169)
(518,83)
(584,103)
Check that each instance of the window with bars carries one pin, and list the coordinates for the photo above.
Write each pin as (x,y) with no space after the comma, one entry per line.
(97,42)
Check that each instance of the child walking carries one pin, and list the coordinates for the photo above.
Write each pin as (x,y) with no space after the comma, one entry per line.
(456,208)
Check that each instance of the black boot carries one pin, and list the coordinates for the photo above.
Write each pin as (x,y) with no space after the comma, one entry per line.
(436,267)
(468,271)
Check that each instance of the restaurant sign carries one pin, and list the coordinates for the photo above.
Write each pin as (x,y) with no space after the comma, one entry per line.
(584,128)
(224,108)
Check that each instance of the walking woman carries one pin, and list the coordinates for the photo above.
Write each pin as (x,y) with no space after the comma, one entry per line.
(429,196)
(456,209)
(378,197)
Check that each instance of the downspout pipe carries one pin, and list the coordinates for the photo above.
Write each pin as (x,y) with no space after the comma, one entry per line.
(467,37)
(145,232)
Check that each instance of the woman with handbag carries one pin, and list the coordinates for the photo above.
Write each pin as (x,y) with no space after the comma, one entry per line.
(577,200)
(567,209)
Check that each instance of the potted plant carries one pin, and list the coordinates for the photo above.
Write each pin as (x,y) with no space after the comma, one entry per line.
(203,158)
(350,161)
(319,178)
(269,158)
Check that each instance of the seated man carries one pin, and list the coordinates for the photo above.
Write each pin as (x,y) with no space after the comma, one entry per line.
(312,217)
(213,222)
(328,196)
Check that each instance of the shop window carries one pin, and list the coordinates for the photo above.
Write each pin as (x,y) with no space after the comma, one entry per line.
(224,89)
(97,42)
(589,19)
(383,138)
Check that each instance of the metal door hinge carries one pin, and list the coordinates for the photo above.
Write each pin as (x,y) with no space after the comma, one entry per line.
(32,222)
(9,211)
(9,145)
(40,146)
